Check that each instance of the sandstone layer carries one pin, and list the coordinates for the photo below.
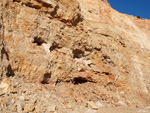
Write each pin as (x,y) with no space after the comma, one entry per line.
(72,53)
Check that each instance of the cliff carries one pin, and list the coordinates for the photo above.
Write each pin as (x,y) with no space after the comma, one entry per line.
(72,56)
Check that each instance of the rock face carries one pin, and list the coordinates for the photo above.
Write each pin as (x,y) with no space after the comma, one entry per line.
(79,50)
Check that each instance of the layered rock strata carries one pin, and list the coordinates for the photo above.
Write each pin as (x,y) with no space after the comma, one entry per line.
(82,49)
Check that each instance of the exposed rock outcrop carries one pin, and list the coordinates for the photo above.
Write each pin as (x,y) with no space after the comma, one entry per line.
(81,50)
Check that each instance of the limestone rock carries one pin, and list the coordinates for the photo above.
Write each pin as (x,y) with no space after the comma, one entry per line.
(29,107)
(20,107)
(99,104)
(51,108)
(13,108)
(4,86)
(90,111)
(92,105)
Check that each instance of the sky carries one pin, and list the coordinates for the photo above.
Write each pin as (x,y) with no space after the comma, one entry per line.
(132,7)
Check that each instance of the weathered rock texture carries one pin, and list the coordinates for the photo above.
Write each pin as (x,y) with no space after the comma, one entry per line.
(81,50)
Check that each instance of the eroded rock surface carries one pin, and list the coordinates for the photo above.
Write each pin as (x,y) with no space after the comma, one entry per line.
(77,51)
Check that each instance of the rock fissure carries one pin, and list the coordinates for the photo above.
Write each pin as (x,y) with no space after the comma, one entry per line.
(46,78)
(80,80)
(39,41)
(3,52)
